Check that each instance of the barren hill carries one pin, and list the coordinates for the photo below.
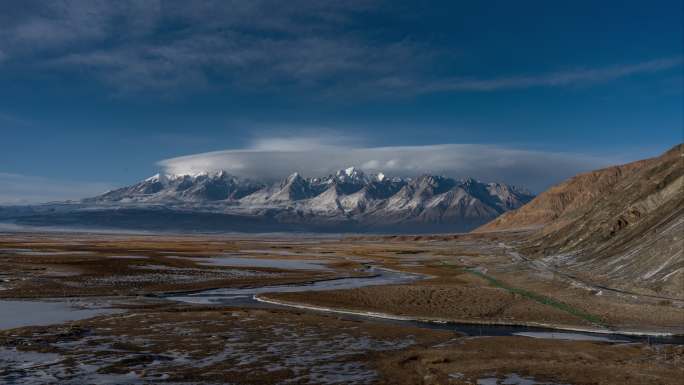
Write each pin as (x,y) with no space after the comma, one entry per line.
(622,224)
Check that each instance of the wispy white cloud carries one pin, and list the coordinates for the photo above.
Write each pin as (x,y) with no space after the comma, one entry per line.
(326,140)
(575,77)
(23,189)
(320,156)
(256,44)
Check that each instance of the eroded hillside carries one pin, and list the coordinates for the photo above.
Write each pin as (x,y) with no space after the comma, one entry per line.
(622,224)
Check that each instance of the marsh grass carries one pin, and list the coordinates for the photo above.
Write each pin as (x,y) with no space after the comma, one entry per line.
(542,299)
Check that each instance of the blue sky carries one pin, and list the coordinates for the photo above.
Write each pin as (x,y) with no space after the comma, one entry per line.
(96,94)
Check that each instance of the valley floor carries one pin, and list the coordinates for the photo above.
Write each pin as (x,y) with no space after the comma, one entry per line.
(140,309)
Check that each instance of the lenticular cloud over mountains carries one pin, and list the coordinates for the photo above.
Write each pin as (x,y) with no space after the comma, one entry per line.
(281,157)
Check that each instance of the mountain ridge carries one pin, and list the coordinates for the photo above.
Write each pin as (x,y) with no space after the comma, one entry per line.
(348,198)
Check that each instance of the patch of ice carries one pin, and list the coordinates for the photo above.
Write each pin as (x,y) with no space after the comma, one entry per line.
(285,264)
(31,252)
(29,313)
(512,379)
(383,277)
(566,336)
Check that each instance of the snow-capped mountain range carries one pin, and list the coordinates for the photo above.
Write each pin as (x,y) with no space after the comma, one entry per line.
(349,200)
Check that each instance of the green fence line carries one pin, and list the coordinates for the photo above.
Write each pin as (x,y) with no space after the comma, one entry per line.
(535,297)
(540,298)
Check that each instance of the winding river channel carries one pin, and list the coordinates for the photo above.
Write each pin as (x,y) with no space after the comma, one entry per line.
(381,276)
(26,313)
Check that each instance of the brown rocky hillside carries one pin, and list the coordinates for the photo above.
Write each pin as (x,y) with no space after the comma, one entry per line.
(622,224)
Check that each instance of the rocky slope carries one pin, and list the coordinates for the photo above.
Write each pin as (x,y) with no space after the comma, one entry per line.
(624,224)
(348,200)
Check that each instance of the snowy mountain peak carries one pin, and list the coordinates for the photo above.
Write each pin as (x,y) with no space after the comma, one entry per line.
(292,180)
(161,178)
(469,180)
(351,175)
(215,174)
(293,177)
(154,178)
(380,177)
